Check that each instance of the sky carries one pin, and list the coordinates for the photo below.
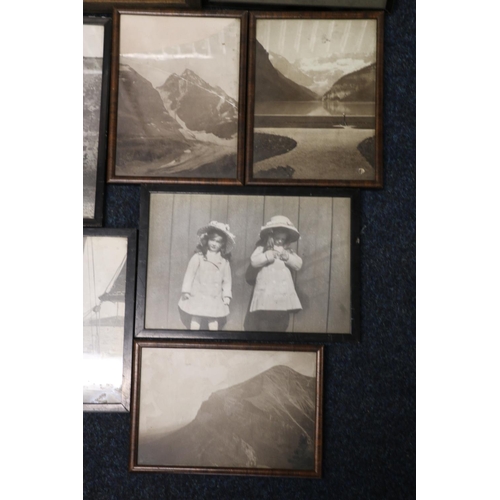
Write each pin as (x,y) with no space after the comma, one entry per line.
(296,38)
(175,382)
(157,46)
(93,40)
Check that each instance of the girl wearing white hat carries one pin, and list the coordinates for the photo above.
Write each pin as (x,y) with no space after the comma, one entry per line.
(206,288)
(274,295)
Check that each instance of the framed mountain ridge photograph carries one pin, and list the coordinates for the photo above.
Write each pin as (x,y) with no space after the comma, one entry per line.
(248,263)
(315,99)
(96,67)
(178,97)
(109,259)
(212,408)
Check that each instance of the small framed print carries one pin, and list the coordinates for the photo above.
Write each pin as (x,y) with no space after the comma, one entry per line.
(109,259)
(315,99)
(96,67)
(214,408)
(252,263)
(178,97)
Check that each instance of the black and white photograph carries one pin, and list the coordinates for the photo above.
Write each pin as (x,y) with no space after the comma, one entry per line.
(240,409)
(180,98)
(314,116)
(217,263)
(107,314)
(96,34)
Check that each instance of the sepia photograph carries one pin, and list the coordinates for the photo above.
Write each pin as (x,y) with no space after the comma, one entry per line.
(267,262)
(108,287)
(240,409)
(96,46)
(180,98)
(315,99)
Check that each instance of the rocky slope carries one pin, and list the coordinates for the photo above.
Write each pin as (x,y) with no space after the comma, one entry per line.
(271,85)
(146,131)
(267,422)
(357,86)
(199,105)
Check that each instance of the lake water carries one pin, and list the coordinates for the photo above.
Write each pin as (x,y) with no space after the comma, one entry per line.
(314,108)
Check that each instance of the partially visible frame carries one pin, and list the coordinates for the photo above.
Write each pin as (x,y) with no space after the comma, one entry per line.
(329,4)
(315,99)
(178,97)
(109,264)
(96,71)
(109,5)
(327,284)
(243,409)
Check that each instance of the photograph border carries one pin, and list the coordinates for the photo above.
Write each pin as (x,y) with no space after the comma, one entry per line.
(142,267)
(115,63)
(128,329)
(311,15)
(97,220)
(135,410)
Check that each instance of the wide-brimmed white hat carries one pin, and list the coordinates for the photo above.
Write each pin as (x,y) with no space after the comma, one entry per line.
(221,228)
(280,222)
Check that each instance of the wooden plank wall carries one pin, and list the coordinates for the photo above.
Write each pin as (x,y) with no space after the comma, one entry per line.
(323,283)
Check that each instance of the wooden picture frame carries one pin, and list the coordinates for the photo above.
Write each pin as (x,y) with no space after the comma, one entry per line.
(178,97)
(96,72)
(318,283)
(315,99)
(316,4)
(107,6)
(109,265)
(217,408)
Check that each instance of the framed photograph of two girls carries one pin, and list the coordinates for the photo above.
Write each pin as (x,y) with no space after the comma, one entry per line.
(252,263)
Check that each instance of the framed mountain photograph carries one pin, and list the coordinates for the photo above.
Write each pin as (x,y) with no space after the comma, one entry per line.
(109,258)
(315,99)
(248,263)
(212,408)
(178,97)
(96,67)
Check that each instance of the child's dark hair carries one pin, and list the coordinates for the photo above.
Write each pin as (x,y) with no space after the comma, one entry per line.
(202,246)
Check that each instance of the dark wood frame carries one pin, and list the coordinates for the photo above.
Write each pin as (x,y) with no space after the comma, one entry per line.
(128,330)
(136,396)
(96,221)
(140,328)
(325,4)
(254,17)
(240,160)
(108,5)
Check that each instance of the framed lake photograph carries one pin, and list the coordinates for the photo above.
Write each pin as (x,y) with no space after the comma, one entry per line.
(248,263)
(212,408)
(96,67)
(109,259)
(315,99)
(178,97)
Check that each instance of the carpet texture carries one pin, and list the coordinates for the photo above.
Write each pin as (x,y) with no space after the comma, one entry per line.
(369,388)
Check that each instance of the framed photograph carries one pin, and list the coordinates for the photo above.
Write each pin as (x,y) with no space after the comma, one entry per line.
(108,5)
(109,264)
(96,67)
(247,409)
(329,4)
(315,99)
(248,263)
(178,97)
